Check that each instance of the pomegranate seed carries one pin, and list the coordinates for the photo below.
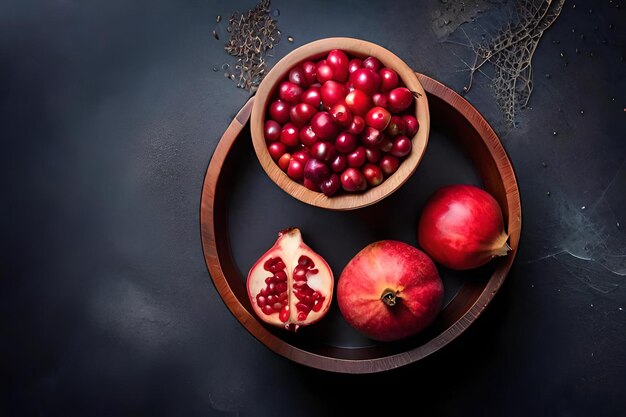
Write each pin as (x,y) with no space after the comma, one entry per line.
(277,306)
(317,306)
(270,299)
(278,265)
(303,307)
(281,276)
(271,286)
(264,292)
(305,261)
(268,309)
(268,264)
(269,280)
(302,315)
(281,287)
(260,300)
(282,296)
(284,314)
(299,274)
(316,295)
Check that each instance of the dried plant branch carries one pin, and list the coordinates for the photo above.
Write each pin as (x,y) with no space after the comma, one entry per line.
(511,52)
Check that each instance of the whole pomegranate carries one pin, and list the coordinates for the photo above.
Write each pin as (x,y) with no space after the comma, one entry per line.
(390,290)
(290,285)
(461,227)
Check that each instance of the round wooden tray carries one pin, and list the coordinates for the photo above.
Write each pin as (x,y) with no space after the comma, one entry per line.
(242,211)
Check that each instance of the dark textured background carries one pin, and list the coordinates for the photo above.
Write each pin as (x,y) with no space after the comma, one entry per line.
(109,113)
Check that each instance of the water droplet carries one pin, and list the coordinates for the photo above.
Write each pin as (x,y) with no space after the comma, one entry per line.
(573,30)
(583,207)
(582,36)
(590,11)
(554,133)
(226,74)
(573,6)
(562,55)
(215,69)
(592,306)
(617,224)
(577,50)
(275,12)
(548,194)
(620,309)
(464,88)
(591,54)
(218,18)
(610,25)
(532,285)
(225,66)
(215,35)
(290,39)
(543,164)
(556,42)
(232,76)
(582,112)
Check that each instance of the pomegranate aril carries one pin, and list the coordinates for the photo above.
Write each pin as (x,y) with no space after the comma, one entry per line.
(317,305)
(303,307)
(305,261)
(279,265)
(277,306)
(269,280)
(280,276)
(299,274)
(302,316)
(260,300)
(284,314)
(267,309)
(281,287)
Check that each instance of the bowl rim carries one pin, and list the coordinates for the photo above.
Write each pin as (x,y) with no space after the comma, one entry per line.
(354,48)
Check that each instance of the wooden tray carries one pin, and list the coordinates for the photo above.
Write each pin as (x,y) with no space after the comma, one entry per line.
(242,211)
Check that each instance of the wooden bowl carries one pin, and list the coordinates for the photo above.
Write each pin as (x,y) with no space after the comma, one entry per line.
(235,233)
(313,51)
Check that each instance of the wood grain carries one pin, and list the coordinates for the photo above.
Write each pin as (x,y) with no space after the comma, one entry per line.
(451,114)
(355,48)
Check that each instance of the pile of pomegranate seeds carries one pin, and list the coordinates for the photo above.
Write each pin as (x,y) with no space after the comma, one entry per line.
(340,123)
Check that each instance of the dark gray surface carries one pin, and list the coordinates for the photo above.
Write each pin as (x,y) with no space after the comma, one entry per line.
(109,113)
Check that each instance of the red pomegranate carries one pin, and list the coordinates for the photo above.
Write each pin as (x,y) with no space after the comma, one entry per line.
(290,285)
(461,227)
(389,291)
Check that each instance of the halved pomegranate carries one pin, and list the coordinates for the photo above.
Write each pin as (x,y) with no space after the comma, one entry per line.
(290,285)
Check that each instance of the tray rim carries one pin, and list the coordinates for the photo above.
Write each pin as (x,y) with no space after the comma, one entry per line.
(372,365)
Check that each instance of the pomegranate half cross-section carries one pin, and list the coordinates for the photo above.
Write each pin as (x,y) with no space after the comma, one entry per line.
(290,285)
